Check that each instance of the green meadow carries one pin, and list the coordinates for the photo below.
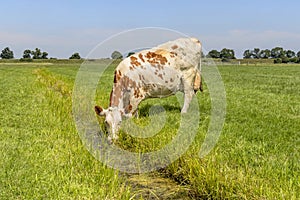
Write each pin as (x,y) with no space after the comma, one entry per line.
(257,155)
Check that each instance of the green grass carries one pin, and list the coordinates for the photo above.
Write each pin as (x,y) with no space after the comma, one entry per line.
(41,155)
(256,157)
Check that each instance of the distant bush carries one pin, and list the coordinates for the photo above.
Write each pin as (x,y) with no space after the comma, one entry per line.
(225,60)
(26,59)
(7,53)
(213,54)
(294,60)
(116,55)
(75,56)
(130,53)
(285,60)
(277,60)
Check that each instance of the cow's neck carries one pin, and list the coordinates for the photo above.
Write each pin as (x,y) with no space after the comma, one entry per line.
(120,98)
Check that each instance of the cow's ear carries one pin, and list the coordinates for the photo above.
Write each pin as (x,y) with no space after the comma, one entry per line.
(100,111)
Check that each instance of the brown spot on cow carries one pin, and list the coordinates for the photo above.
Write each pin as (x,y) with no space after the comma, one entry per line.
(160,76)
(173,54)
(174,47)
(117,76)
(156,58)
(141,57)
(115,95)
(128,108)
(134,61)
(110,97)
(141,77)
(119,87)
(160,67)
(136,93)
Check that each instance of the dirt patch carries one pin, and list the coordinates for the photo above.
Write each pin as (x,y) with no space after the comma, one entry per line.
(150,186)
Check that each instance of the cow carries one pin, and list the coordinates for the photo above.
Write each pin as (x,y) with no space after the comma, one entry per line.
(154,73)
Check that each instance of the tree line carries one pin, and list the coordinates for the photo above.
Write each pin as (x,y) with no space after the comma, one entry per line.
(28,54)
(279,54)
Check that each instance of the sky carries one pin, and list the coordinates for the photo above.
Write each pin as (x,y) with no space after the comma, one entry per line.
(62,27)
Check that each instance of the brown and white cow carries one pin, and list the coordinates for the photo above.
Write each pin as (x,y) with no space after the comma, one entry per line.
(158,72)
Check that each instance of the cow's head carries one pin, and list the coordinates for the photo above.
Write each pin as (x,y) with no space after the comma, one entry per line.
(113,119)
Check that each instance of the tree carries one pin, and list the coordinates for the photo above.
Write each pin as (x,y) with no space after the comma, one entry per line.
(27,53)
(75,56)
(116,55)
(44,55)
(255,53)
(227,53)
(247,54)
(130,53)
(37,54)
(277,52)
(213,54)
(298,54)
(265,53)
(7,53)
(290,54)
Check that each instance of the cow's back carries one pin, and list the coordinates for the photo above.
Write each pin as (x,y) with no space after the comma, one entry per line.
(153,71)
(159,71)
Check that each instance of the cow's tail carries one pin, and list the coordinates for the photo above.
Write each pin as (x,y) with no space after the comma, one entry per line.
(198,78)
(198,82)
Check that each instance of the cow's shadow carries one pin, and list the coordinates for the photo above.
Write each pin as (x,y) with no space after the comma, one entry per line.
(144,111)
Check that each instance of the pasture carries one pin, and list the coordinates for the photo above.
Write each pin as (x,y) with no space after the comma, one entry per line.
(257,155)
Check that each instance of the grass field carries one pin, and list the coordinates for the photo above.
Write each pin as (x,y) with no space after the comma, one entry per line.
(257,155)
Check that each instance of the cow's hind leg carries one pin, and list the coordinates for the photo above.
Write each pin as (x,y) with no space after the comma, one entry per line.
(188,96)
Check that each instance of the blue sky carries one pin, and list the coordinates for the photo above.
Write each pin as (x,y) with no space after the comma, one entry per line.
(63,27)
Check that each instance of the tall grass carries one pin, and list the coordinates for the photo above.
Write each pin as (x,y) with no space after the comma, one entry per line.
(257,156)
(41,154)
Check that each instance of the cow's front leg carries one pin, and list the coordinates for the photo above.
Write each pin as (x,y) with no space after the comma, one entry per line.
(188,96)
(135,103)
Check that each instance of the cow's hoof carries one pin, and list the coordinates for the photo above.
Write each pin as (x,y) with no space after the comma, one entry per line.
(183,111)
(110,140)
